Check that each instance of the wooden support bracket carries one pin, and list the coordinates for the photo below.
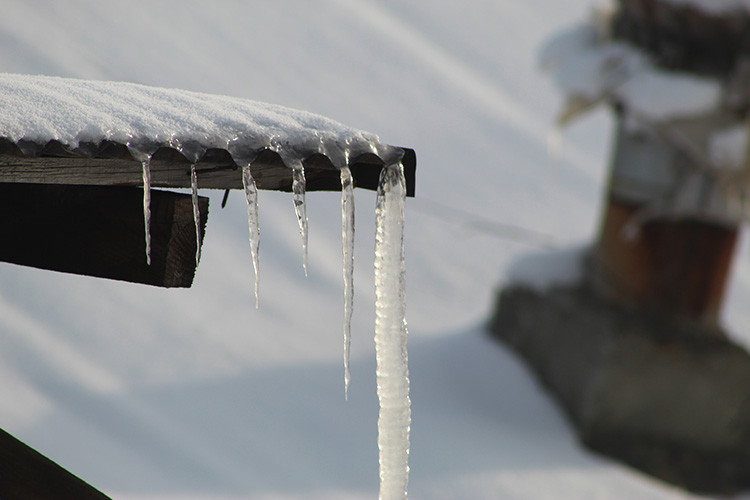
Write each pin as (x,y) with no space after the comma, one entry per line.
(99,231)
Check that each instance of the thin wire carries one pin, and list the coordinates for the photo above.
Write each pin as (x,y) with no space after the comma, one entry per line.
(481,224)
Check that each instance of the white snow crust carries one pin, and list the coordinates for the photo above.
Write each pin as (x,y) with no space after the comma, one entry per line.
(44,108)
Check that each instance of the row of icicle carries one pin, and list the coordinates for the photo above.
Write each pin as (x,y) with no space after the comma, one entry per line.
(147,210)
(394,419)
(251,197)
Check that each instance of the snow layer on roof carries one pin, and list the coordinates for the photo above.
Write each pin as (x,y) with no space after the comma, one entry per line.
(585,67)
(43,108)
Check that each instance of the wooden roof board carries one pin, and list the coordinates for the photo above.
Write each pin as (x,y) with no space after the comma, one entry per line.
(111,164)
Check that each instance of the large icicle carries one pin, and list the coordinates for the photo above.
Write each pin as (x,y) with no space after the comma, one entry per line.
(196,212)
(298,195)
(147,206)
(347,244)
(394,419)
(251,196)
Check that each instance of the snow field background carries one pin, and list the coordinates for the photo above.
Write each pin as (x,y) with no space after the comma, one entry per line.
(194,394)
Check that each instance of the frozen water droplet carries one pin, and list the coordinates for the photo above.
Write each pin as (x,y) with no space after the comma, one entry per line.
(394,418)
(196,212)
(147,206)
(141,148)
(347,239)
(298,197)
(251,196)
(191,148)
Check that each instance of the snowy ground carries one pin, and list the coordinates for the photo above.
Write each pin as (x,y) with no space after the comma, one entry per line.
(154,394)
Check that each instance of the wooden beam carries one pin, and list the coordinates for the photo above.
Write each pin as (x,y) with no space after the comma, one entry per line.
(26,474)
(99,231)
(110,164)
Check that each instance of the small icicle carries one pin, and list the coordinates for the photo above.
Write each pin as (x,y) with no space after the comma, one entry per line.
(298,191)
(147,206)
(347,240)
(394,418)
(251,196)
(196,212)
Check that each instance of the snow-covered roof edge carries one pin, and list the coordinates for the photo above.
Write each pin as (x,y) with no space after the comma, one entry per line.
(77,121)
(39,109)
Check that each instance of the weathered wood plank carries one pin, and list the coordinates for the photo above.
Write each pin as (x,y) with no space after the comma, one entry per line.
(26,474)
(169,170)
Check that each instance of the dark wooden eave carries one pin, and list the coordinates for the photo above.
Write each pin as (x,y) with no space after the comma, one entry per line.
(110,163)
